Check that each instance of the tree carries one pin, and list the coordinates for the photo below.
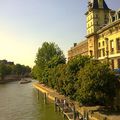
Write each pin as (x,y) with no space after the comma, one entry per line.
(22,70)
(36,72)
(47,55)
(27,71)
(9,68)
(18,69)
(59,78)
(52,71)
(56,60)
(72,69)
(4,70)
(96,84)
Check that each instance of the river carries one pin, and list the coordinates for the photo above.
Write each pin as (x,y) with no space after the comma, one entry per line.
(19,102)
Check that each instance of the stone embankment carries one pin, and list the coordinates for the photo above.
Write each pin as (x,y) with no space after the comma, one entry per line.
(92,112)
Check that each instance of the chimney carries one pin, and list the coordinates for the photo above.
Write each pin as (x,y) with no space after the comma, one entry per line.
(75,44)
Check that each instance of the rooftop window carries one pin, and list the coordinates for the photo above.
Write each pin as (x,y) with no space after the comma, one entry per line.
(119,15)
(113,18)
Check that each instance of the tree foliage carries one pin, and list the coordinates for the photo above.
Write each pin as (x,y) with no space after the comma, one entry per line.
(48,56)
(46,53)
(72,69)
(96,83)
(84,79)
(75,64)
(4,70)
(9,68)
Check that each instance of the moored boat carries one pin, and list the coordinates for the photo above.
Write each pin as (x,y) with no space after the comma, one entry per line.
(23,81)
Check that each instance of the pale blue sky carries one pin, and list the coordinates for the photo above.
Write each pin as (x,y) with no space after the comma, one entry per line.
(26,24)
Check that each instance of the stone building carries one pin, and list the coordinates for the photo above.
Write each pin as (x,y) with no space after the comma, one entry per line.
(103,34)
(78,49)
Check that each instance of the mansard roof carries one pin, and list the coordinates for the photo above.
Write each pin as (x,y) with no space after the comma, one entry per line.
(96,5)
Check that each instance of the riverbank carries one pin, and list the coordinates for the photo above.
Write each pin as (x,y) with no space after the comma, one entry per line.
(10,78)
(93,112)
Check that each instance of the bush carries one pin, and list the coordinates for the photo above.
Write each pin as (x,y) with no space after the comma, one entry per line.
(96,84)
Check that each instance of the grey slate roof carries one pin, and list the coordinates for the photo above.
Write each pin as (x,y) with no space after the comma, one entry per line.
(96,5)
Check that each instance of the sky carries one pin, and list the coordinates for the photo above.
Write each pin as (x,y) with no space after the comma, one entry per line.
(26,24)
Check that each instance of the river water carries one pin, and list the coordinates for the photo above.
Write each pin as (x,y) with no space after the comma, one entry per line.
(19,102)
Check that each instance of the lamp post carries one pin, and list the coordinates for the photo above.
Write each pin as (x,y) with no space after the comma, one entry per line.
(107,50)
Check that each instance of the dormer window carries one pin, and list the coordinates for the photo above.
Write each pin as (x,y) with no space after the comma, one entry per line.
(105,16)
(119,15)
(113,18)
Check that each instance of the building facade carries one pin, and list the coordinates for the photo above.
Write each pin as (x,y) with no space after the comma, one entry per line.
(103,34)
(78,49)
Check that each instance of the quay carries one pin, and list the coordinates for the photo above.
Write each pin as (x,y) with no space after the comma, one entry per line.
(70,109)
(60,102)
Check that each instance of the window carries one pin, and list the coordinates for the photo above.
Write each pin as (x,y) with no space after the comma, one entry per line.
(116,17)
(118,63)
(119,15)
(99,53)
(118,44)
(110,31)
(102,35)
(91,53)
(112,64)
(105,16)
(99,44)
(103,51)
(111,47)
(103,43)
(97,23)
(113,19)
